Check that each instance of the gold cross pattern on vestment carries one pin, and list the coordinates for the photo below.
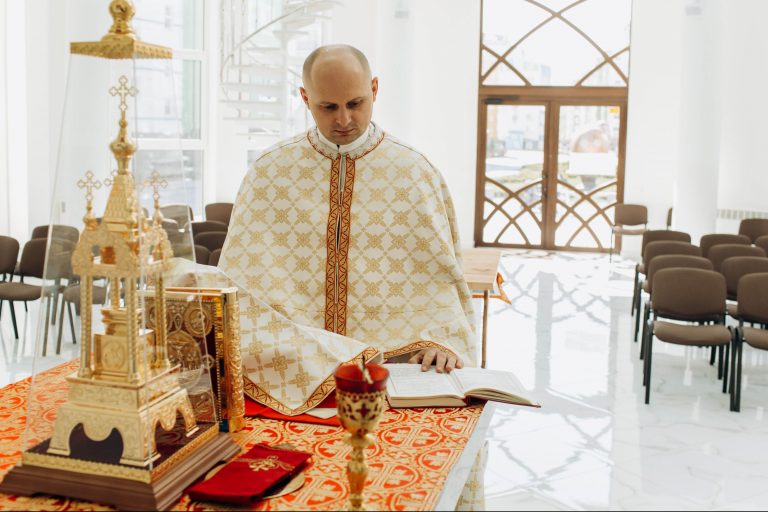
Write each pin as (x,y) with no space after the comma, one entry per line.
(123,91)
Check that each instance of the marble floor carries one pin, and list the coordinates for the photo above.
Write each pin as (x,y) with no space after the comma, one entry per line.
(594,444)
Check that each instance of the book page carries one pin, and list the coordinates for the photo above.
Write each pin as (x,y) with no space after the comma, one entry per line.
(407,380)
(473,379)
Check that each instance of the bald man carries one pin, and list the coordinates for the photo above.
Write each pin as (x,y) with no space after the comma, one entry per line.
(343,244)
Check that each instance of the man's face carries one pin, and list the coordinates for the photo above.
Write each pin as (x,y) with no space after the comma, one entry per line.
(340,96)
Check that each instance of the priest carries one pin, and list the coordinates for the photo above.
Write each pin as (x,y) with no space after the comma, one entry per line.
(343,244)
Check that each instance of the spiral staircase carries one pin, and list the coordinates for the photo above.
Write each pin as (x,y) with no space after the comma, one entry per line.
(263,44)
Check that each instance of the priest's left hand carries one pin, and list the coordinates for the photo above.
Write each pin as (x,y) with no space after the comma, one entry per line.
(444,361)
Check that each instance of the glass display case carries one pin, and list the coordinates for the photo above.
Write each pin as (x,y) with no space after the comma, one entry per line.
(133,420)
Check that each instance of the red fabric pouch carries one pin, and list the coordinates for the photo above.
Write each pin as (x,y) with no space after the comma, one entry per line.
(253,408)
(250,476)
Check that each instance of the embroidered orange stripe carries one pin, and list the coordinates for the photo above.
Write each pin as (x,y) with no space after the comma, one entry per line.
(330,242)
(337,246)
(343,251)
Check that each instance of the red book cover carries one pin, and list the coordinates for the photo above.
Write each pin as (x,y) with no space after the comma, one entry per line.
(250,476)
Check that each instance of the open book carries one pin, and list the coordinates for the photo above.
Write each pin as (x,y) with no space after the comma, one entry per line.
(408,386)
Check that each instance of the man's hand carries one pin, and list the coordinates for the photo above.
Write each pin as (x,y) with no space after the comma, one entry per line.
(444,361)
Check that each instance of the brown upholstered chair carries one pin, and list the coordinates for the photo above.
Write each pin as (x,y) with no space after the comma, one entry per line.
(172,229)
(9,254)
(659,263)
(32,264)
(753,228)
(181,213)
(70,296)
(213,260)
(654,235)
(196,253)
(738,266)
(753,308)
(211,239)
(60,232)
(206,226)
(719,253)
(657,248)
(626,219)
(202,254)
(693,296)
(220,212)
(762,242)
(713,239)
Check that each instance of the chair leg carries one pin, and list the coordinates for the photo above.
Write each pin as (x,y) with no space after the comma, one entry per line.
(735,350)
(634,289)
(610,254)
(719,362)
(637,320)
(47,300)
(725,367)
(737,375)
(25,306)
(13,319)
(60,328)
(712,357)
(644,354)
(644,337)
(648,356)
(71,322)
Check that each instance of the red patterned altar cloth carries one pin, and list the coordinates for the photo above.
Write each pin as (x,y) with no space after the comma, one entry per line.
(415,451)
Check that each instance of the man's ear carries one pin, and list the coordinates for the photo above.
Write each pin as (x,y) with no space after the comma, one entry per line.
(304,96)
(375,87)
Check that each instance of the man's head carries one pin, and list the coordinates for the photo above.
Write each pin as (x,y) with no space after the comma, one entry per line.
(339,91)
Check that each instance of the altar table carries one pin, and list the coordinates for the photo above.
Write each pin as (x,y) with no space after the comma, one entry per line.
(421,459)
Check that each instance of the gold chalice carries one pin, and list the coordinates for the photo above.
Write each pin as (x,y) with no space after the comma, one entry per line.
(360,398)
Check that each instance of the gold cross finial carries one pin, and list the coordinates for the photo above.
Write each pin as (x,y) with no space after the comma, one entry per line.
(123,91)
(89,184)
(156,181)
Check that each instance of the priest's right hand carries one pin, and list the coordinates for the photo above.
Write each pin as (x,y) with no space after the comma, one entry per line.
(444,361)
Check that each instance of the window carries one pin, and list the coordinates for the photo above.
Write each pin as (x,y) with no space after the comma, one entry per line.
(166,127)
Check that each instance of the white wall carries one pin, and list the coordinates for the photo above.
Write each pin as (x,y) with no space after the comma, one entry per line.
(16,121)
(4,209)
(425,54)
(696,131)
(743,159)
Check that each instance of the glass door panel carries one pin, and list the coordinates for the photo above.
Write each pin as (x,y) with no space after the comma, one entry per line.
(587,170)
(514,164)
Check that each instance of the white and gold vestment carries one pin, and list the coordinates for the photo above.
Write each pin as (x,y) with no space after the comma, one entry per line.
(338,252)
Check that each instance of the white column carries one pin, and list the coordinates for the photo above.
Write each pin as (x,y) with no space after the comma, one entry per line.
(653,111)
(700,108)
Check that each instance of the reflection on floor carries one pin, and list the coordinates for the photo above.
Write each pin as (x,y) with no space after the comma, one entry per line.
(594,444)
